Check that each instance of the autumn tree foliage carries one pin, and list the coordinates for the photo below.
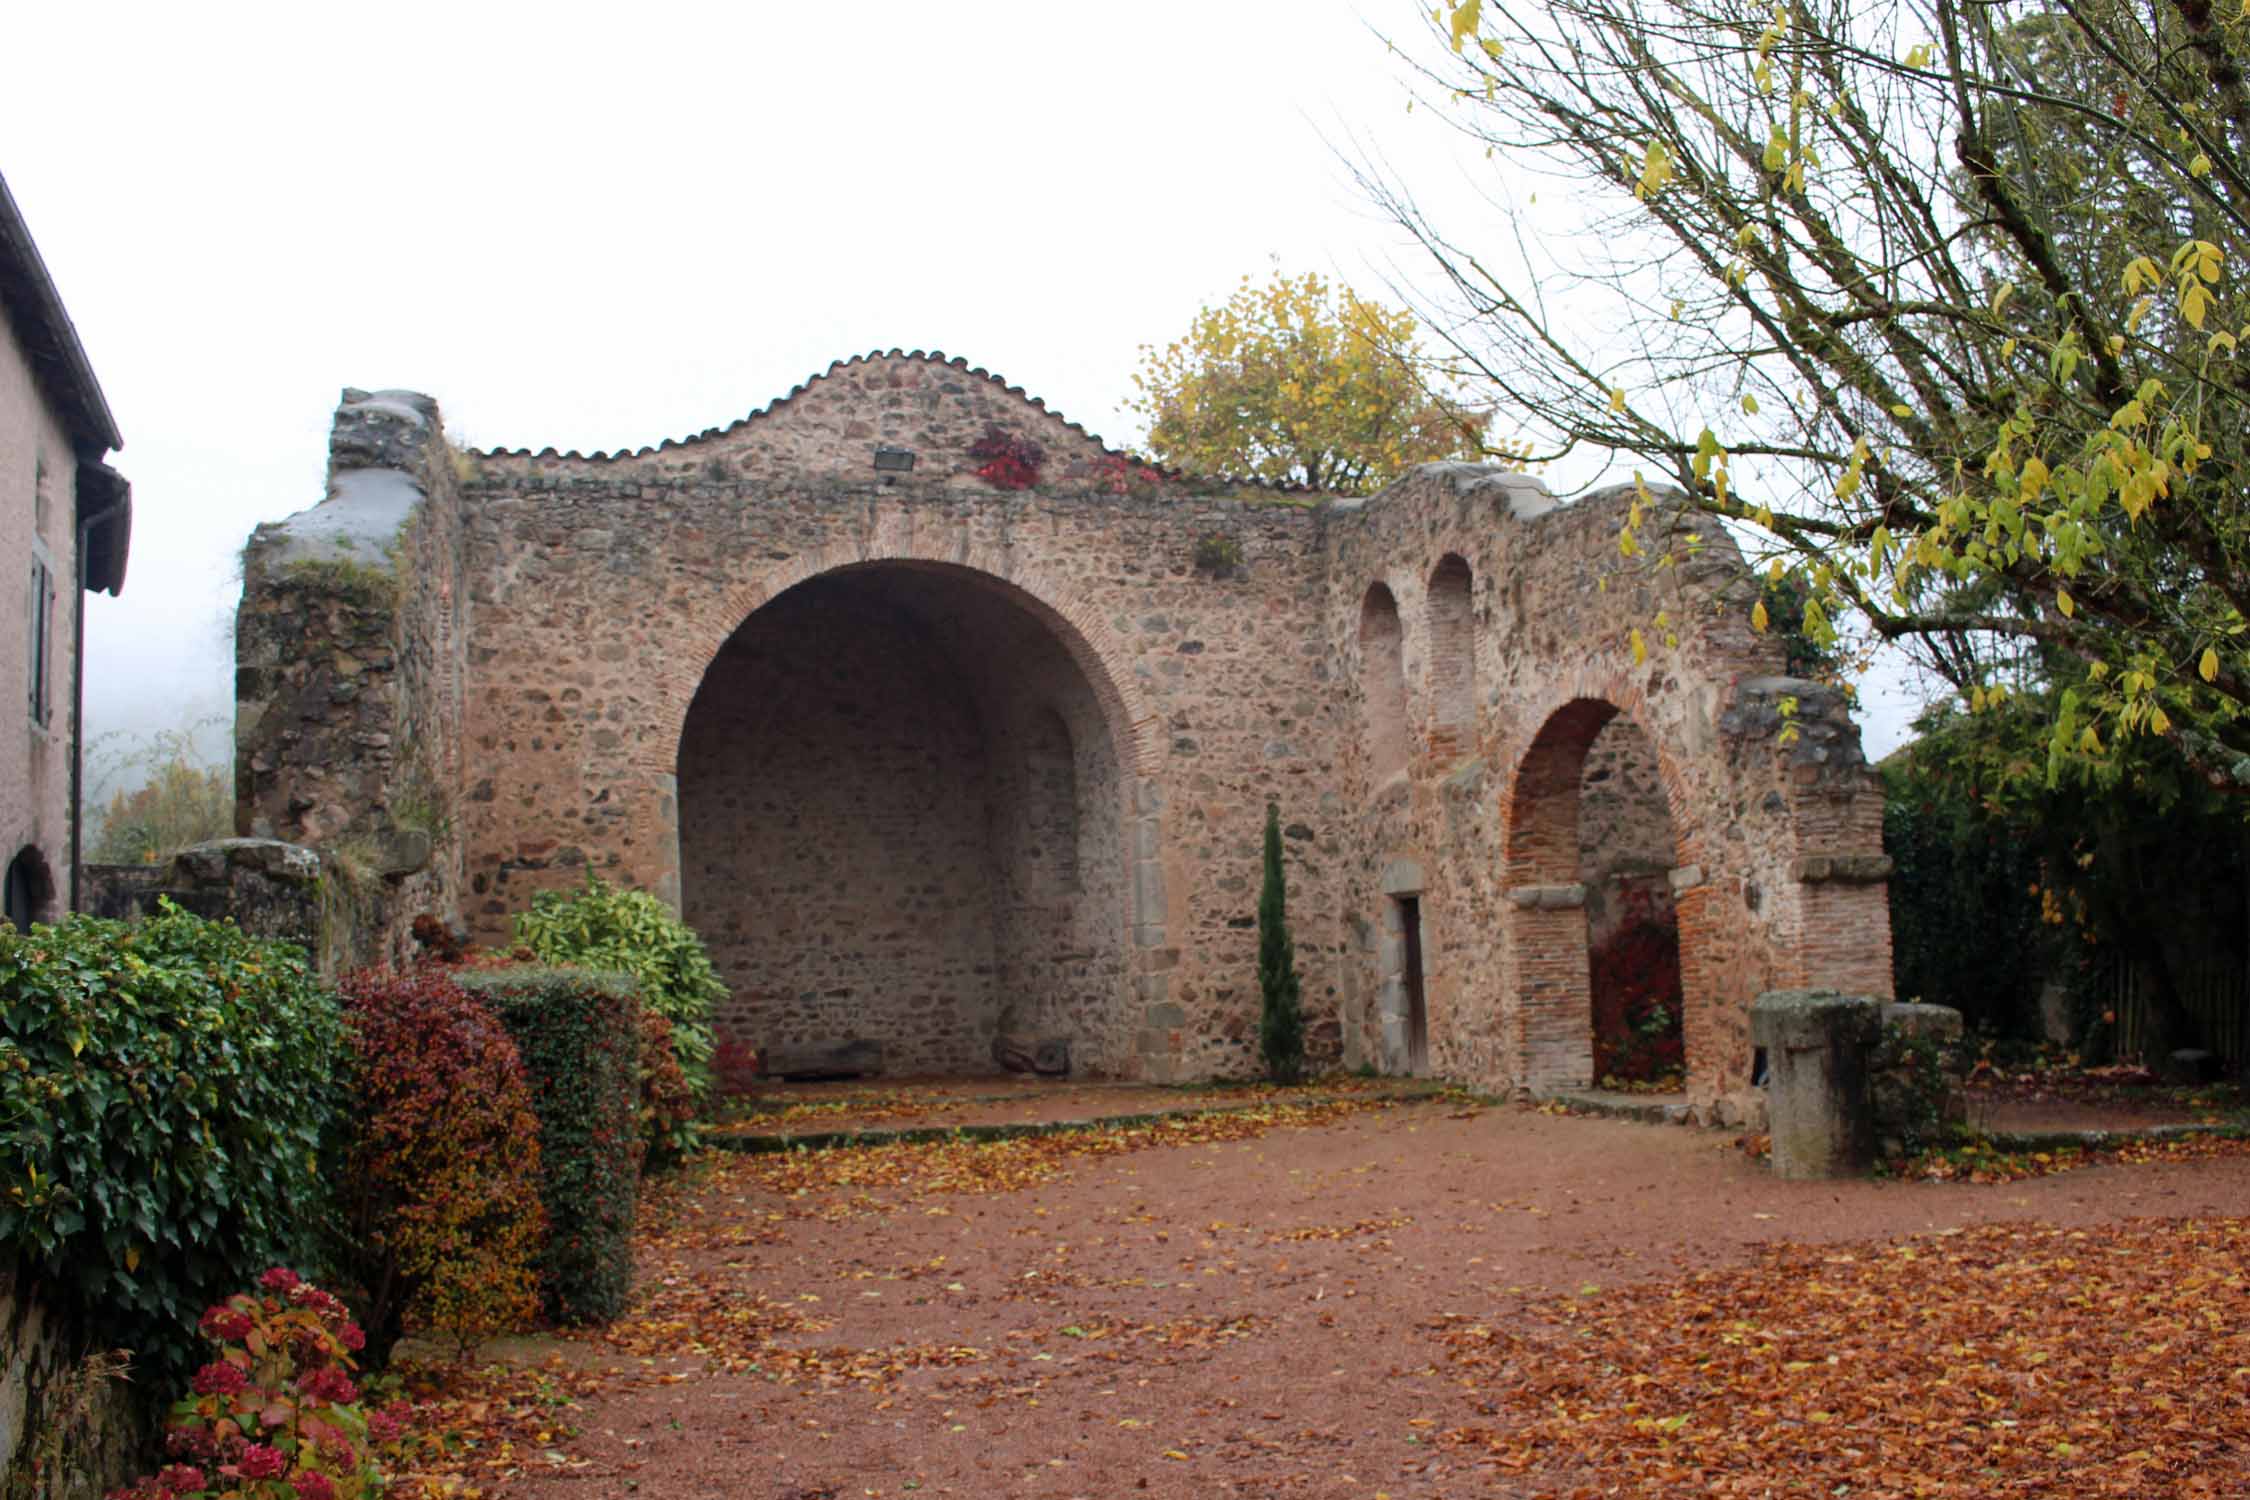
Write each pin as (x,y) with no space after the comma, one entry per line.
(1281,1024)
(1940,303)
(169,795)
(1298,382)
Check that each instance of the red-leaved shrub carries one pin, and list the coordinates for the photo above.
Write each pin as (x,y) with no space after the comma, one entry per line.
(667,1102)
(735,1068)
(1635,978)
(442,1217)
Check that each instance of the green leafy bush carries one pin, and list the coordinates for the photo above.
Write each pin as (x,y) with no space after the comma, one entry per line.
(1965,907)
(164,1090)
(603,926)
(439,1187)
(579,1033)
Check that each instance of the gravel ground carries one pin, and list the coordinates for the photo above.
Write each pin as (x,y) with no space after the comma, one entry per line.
(1256,1316)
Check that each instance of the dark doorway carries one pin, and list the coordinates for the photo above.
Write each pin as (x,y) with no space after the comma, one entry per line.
(1417,1006)
(27,891)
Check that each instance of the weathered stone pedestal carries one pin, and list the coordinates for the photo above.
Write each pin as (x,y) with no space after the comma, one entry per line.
(1916,1076)
(1818,1045)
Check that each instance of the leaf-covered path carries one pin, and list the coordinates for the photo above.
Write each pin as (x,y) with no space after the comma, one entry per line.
(1428,1299)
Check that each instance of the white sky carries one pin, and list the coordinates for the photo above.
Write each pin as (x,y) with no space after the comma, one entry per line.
(601,226)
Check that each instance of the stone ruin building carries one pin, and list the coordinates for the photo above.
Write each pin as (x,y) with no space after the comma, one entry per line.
(936,717)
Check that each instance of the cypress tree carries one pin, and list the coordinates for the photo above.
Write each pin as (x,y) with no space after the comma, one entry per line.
(1281,1028)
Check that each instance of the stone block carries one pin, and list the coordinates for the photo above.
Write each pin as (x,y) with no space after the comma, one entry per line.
(805,1061)
(1843,869)
(398,851)
(1402,877)
(1049,1057)
(1939,1023)
(1818,1047)
(1548,897)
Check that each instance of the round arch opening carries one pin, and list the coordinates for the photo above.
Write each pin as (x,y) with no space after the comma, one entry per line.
(1603,987)
(30,890)
(903,820)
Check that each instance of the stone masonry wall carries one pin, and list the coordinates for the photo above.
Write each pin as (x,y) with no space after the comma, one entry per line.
(1487,819)
(350,665)
(637,691)
(604,587)
(1625,848)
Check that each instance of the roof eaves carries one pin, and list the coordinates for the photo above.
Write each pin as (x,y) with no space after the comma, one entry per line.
(58,359)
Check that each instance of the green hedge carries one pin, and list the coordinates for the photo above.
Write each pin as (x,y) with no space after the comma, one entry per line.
(579,1033)
(164,1089)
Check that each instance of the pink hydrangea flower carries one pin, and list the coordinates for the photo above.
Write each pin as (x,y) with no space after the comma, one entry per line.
(389,1424)
(218,1379)
(259,1461)
(180,1478)
(328,1384)
(313,1485)
(227,1325)
(279,1279)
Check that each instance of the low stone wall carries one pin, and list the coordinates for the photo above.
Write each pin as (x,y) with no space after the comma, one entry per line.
(344,916)
(70,1429)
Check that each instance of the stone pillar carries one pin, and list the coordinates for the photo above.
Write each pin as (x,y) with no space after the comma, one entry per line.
(1818,1044)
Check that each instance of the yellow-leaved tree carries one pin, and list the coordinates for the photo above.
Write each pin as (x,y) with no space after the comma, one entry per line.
(1940,303)
(1296,382)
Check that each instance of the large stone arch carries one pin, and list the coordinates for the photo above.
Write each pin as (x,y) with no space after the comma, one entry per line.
(1077,625)
(1067,957)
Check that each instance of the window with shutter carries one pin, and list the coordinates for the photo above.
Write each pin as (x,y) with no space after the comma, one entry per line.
(42,601)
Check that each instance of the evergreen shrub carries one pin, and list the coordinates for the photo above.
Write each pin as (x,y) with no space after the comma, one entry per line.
(667,1112)
(164,1092)
(579,1034)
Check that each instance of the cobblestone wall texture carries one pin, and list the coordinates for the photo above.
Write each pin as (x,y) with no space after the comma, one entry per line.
(923,753)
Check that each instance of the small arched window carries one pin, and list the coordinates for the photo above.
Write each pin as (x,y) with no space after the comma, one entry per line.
(1382,684)
(1453,656)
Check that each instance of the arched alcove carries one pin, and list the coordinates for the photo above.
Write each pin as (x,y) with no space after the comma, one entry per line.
(1626,852)
(1453,669)
(901,821)
(1382,685)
